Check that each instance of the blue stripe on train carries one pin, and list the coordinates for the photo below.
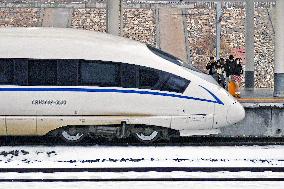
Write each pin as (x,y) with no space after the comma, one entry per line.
(107,90)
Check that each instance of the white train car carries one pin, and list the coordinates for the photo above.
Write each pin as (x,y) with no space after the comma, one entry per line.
(75,83)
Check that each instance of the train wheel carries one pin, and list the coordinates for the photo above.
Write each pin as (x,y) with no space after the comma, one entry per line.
(147,135)
(72,134)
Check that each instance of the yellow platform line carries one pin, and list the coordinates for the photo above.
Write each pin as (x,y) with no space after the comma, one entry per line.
(261,100)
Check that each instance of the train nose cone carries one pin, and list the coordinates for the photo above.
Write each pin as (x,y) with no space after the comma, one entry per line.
(236,113)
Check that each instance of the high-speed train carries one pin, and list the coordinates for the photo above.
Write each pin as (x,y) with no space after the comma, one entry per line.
(74,84)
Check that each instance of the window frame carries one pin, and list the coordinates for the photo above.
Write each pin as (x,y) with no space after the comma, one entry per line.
(135,77)
(164,77)
(77,71)
(181,90)
(45,80)
(26,70)
(11,78)
(155,86)
(117,79)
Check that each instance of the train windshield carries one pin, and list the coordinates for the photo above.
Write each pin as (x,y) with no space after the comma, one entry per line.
(172,58)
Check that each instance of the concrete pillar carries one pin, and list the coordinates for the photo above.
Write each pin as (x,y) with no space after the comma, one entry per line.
(218,29)
(279,50)
(186,36)
(57,17)
(249,72)
(172,36)
(113,16)
(157,20)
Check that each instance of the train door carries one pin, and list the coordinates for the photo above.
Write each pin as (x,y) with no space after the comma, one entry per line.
(21,125)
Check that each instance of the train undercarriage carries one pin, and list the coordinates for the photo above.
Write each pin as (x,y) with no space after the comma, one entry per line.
(142,133)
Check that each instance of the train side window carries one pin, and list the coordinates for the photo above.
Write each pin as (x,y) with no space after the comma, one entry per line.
(148,78)
(21,72)
(67,72)
(175,84)
(128,76)
(99,73)
(42,72)
(6,71)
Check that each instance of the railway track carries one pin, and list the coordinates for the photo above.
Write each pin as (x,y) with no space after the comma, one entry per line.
(141,174)
(48,162)
(142,169)
(183,141)
(143,180)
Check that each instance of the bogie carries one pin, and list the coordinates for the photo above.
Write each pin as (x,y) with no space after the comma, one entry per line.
(147,135)
(72,134)
(142,133)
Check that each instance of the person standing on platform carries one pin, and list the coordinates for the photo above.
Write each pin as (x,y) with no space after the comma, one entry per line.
(236,77)
(222,62)
(220,72)
(212,67)
(229,67)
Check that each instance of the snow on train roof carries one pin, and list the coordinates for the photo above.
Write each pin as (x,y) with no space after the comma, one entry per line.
(67,43)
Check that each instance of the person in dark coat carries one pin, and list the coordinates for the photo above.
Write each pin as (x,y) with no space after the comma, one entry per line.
(237,76)
(212,67)
(222,62)
(220,72)
(229,68)
(239,68)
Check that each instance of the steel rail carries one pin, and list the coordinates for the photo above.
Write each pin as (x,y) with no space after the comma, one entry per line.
(143,179)
(194,1)
(143,169)
(183,141)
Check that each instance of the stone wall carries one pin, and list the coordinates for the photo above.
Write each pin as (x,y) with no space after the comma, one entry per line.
(264,49)
(139,24)
(89,19)
(19,17)
(201,34)
(201,29)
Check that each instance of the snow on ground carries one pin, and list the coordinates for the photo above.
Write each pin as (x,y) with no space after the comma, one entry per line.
(109,156)
(139,175)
